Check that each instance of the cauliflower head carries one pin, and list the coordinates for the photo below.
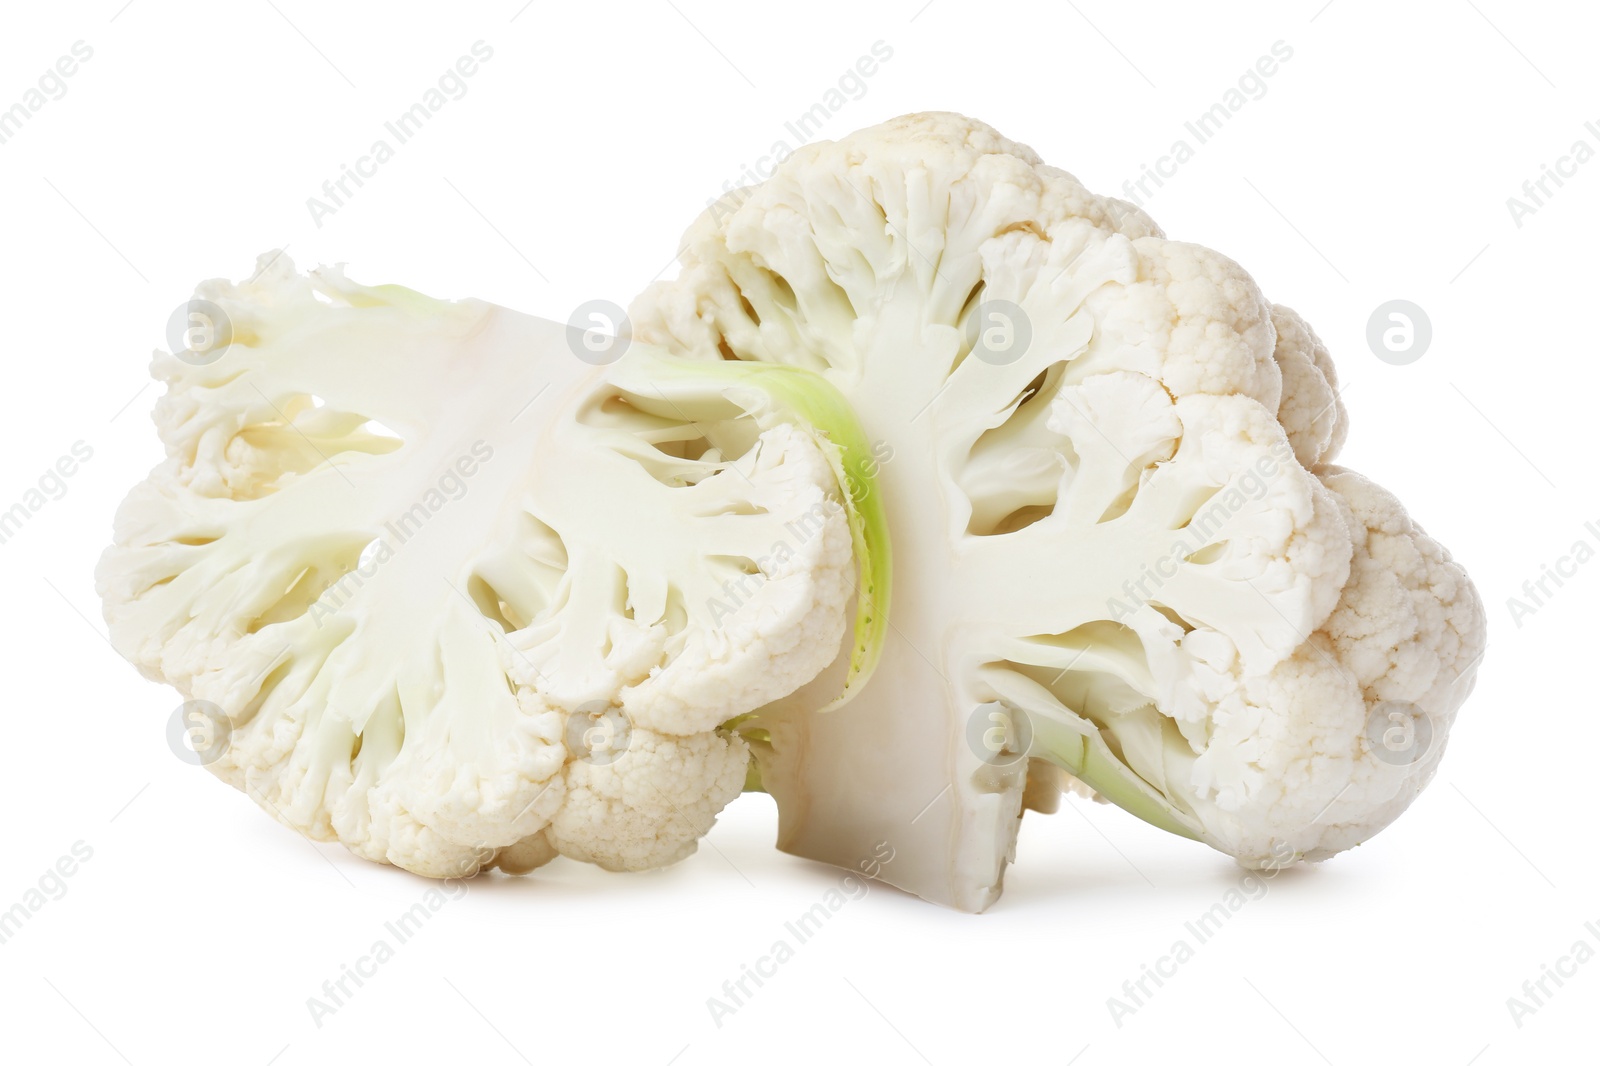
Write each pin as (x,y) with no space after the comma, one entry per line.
(1120,549)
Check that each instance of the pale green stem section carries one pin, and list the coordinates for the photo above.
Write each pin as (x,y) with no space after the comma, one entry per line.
(1091,761)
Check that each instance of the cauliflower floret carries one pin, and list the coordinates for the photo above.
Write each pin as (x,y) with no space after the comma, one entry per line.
(1303,760)
(651,808)
(1311,411)
(1195,314)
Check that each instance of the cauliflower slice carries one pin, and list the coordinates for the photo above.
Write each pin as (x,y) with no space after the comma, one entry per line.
(1115,551)
(413,550)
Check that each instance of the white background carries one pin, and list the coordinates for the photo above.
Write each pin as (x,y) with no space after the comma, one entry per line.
(1377,166)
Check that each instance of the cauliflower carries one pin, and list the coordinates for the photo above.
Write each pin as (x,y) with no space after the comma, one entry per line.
(1120,549)
(456,597)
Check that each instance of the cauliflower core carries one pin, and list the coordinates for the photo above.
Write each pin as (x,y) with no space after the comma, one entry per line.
(461,598)
(1115,530)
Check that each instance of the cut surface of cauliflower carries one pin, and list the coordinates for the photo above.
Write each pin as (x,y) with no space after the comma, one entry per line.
(1118,549)
(456,596)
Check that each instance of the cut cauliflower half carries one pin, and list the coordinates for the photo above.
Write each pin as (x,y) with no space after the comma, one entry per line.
(459,597)
(1115,551)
